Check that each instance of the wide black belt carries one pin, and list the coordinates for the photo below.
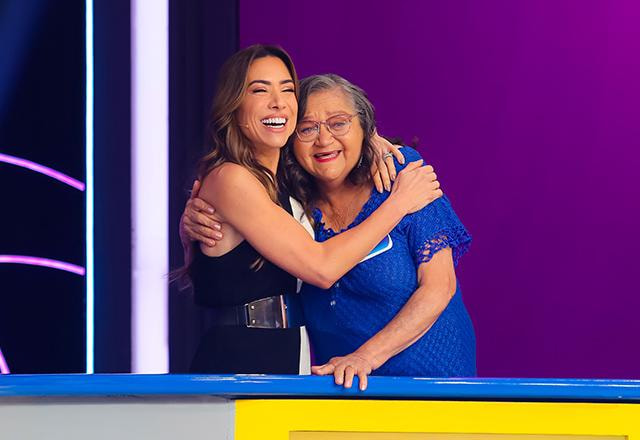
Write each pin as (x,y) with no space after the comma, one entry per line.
(280,311)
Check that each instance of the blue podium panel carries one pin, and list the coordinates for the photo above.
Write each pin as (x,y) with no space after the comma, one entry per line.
(312,408)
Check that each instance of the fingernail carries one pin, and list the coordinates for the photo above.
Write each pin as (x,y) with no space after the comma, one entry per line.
(218,235)
(217,227)
(210,210)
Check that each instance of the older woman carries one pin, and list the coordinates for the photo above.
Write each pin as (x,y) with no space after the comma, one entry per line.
(246,277)
(400,310)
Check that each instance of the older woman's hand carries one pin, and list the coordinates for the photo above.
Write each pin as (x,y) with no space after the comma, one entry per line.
(198,222)
(344,368)
(383,170)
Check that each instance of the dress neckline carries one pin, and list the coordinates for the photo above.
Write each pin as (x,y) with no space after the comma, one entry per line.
(367,208)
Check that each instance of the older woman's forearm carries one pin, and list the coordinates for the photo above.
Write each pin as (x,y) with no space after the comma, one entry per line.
(414,319)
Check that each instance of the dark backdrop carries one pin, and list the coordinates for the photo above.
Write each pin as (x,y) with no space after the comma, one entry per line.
(42,119)
(112,173)
(42,314)
(203,34)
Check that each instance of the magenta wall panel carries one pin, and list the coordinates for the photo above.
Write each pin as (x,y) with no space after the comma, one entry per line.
(530,113)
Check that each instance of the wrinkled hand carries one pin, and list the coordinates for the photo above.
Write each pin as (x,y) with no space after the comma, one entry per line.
(344,368)
(383,170)
(198,222)
(417,186)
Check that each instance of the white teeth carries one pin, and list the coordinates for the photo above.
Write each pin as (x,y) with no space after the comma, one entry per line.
(274,121)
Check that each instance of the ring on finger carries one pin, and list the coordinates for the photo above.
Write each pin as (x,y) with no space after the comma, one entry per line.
(387,155)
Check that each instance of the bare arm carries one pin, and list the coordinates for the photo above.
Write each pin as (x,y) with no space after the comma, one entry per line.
(199,223)
(246,206)
(436,286)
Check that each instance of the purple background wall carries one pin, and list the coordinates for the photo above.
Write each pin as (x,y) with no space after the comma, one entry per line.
(530,113)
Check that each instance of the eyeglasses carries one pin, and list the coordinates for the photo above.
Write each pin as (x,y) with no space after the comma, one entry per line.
(339,125)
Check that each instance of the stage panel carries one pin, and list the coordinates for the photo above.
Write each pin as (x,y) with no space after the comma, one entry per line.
(326,435)
(434,420)
(274,407)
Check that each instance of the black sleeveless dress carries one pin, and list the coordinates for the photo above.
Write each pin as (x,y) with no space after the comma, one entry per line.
(229,280)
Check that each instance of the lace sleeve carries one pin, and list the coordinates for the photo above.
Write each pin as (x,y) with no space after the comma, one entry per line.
(434,228)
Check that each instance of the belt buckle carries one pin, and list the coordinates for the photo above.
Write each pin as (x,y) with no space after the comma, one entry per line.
(267,313)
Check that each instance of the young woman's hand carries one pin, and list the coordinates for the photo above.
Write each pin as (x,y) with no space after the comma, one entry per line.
(416,186)
(383,170)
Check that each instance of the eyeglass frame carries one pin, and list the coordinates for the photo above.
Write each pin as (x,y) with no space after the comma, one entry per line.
(319,123)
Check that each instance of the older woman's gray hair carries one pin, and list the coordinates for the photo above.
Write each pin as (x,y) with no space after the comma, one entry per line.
(330,81)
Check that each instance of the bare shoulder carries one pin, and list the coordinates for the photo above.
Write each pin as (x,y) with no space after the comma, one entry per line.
(235,179)
(228,173)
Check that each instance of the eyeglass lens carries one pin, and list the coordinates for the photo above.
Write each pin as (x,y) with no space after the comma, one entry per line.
(337,125)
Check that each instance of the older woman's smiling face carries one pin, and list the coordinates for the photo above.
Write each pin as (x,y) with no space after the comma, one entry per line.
(330,158)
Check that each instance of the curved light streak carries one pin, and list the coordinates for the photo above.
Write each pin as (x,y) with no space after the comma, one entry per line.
(24,163)
(43,262)
(4,368)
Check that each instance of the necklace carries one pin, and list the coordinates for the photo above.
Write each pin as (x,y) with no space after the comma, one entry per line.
(340,217)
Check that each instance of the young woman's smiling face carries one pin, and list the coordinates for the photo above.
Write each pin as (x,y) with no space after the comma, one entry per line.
(330,158)
(267,114)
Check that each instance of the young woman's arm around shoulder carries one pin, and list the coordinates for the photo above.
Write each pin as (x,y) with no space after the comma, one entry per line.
(242,202)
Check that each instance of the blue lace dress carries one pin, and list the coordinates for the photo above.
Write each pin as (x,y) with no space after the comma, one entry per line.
(362,302)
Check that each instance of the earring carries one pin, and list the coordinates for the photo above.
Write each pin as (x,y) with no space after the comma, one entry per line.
(360,161)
